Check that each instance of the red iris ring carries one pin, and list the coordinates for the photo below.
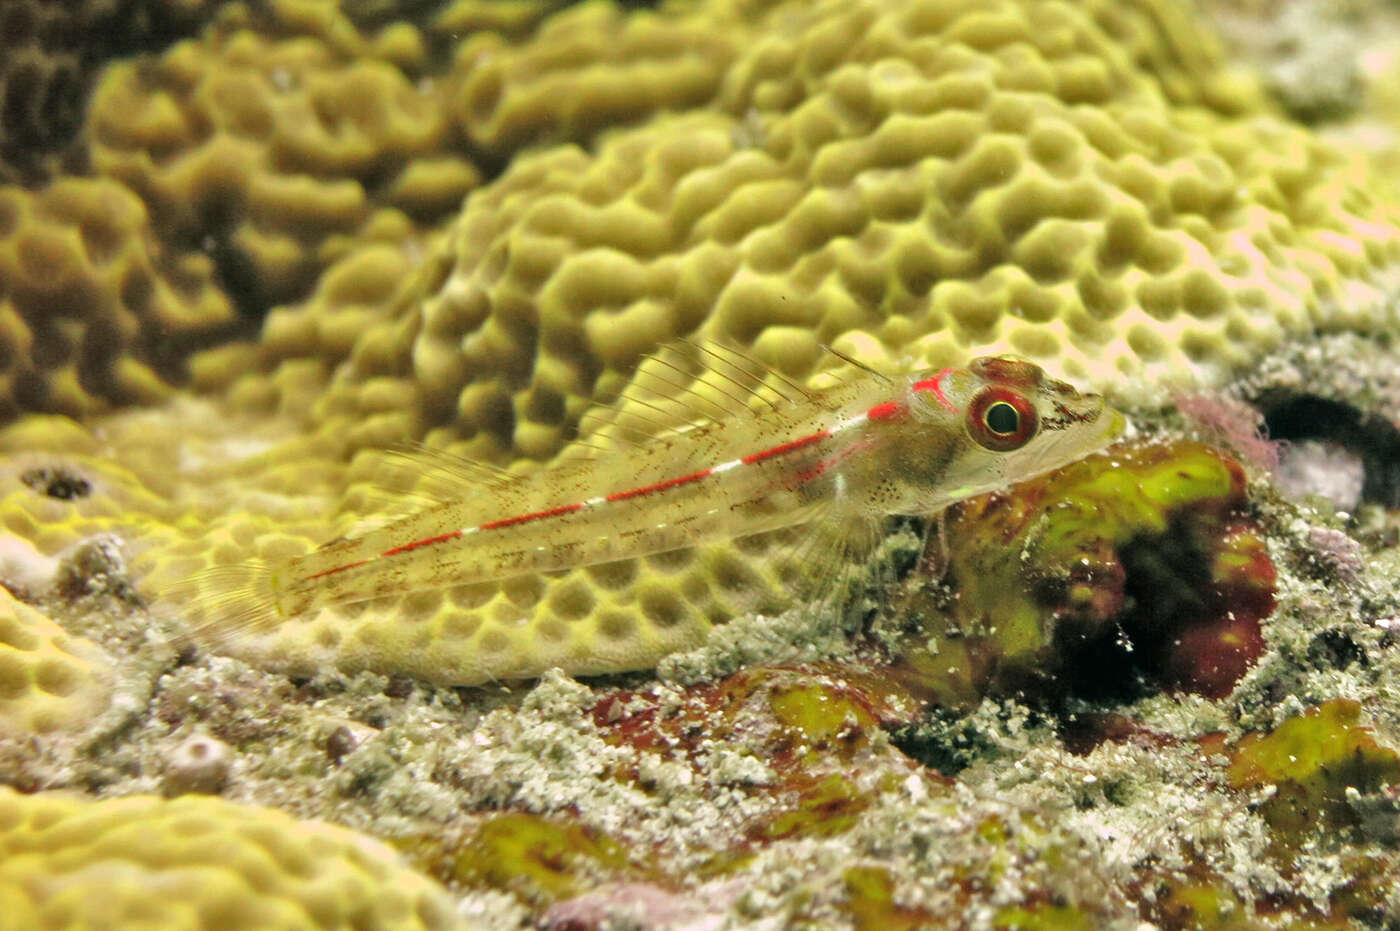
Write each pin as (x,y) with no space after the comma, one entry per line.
(1001,442)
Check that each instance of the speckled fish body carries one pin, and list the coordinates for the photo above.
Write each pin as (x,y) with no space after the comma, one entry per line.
(865,448)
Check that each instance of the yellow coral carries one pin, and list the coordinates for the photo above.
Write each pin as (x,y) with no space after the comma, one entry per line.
(48,680)
(1082,184)
(198,862)
(268,146)
(40,86)
(587,68)
(49,51)
(93,308)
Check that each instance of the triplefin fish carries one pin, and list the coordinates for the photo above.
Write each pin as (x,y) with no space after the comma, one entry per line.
(706,445)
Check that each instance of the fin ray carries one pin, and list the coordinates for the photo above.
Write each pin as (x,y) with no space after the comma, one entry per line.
(689,384)
(226,601)
(412,477)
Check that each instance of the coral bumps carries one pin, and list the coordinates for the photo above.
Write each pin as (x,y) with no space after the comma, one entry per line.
(1082,183)
(928,179)
(95,309)
(270,146)
(49,680)
(49,53)
(1085,185)
(197,862)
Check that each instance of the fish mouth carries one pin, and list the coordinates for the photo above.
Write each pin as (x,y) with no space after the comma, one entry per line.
(1090,416)
(1110,421)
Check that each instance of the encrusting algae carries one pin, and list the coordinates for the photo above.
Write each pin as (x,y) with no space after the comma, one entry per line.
(1137,564)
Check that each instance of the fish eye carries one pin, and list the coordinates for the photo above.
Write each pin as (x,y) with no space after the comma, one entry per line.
(1001,419)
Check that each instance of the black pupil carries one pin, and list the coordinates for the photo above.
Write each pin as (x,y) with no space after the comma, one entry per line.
(1002,418)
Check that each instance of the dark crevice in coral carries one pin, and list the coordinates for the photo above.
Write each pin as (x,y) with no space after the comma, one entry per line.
(1182,626)
(1335,649)
(1167,581)
(57,482)
(1167,589)
(1163,636)
(1371,438)
(236,272)
(371,15)
(50,54)
(138,26)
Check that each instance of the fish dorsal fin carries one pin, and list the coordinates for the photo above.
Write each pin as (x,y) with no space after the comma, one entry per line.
(440,467)
(686,385)
(412,477)
(854,365)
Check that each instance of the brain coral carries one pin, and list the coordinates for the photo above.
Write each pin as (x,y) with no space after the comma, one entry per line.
(1081,184)
(40,84)
(94,308)
(588,67)
(1084,185)
(198,862)
(261,148)
(49,51)
(48,679)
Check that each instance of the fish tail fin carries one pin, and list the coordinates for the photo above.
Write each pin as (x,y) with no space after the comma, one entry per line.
(228,601)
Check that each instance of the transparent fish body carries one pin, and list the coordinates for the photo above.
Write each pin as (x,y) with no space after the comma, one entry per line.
(706,445)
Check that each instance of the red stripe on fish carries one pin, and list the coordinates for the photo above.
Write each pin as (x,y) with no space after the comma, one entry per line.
(887,411)
(660,486)
(536,515)
(878,412)
(826,465)
(786,447)
(344,568)
(934,386)
(417,543)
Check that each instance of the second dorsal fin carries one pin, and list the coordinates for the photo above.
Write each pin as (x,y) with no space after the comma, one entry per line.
(685,385)
(413,477)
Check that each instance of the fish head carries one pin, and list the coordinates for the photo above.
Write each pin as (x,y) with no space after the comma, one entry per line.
(1011,421)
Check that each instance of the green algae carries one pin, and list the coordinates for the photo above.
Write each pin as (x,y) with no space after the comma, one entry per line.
(824,716)
(871,904)
(803,717)
(539,858)
(1310,761)
(1205,904)
(1140,558)
(824,807)
(1043,918)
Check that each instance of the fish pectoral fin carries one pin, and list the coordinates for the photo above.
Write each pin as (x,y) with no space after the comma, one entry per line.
(831,556)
